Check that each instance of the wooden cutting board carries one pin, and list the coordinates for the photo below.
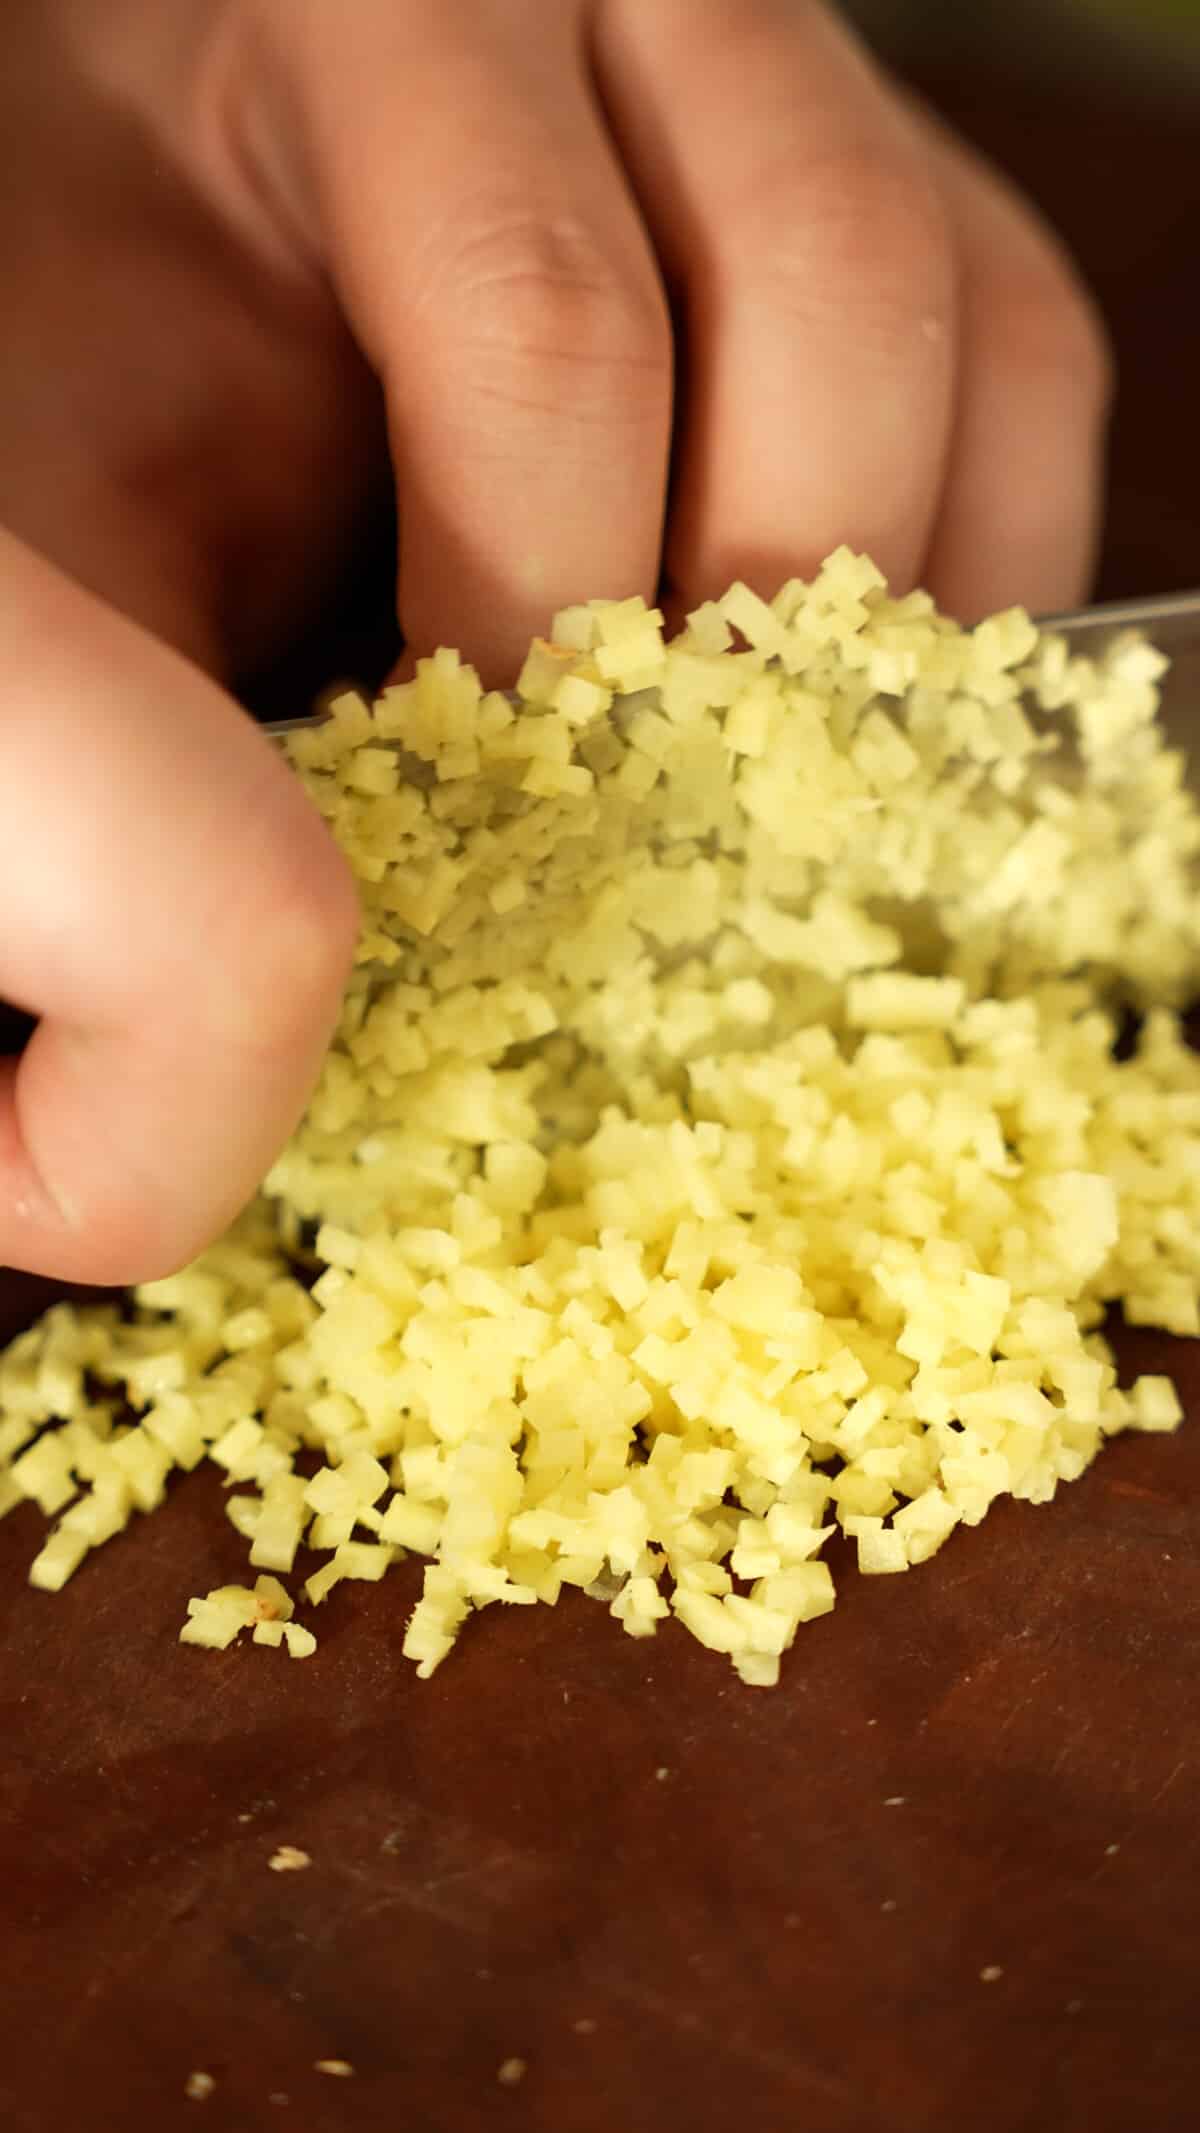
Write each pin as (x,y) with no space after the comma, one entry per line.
(945,1878)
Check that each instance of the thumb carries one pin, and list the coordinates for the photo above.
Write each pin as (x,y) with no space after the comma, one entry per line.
(176,916)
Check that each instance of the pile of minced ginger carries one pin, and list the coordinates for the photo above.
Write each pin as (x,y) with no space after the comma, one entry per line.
(723,1142)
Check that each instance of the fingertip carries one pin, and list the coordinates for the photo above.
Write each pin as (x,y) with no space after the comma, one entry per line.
(46,1229)
(104,1181)
(126,1150)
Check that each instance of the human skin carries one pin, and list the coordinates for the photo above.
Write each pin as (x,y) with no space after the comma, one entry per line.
(638,295)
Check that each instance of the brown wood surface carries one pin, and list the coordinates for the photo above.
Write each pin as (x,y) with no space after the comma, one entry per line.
(685,1905)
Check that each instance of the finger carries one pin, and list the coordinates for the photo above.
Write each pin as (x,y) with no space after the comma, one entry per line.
(493,265)
(174,913)
(815,279)
(1020,514)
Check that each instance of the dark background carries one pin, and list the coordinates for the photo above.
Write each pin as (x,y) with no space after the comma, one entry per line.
(690,1908)
(1094,105)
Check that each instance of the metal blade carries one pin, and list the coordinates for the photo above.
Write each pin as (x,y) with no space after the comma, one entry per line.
(1171,623)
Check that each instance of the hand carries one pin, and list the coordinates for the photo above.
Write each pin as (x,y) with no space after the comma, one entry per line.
(578,243)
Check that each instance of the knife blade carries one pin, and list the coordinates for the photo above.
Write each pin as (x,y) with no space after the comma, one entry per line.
(1170,621)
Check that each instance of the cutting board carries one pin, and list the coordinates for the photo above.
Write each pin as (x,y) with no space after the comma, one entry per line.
(946,1877)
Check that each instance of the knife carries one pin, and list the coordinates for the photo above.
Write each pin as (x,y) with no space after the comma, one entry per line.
(1171,622)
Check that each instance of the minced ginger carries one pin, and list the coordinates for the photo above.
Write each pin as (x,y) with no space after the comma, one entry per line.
(723,1142)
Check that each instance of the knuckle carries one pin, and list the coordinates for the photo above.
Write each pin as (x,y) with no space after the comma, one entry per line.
(724,29)
(1045,323)
(859,233)
(546,290)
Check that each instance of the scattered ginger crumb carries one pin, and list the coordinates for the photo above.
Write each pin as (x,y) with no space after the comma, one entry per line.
(289,1859)
(512,2072)
(340,2069)
(585,2026)
(199,2087)
(723,1144)
(991,1973)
